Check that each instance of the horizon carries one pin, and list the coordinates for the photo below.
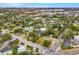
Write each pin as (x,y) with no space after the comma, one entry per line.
(39,5)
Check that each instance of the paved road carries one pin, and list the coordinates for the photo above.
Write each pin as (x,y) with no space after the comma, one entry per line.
(73,51)
(5,44)
(20,49)
(35,45)
(54,48)
(14,37)
(51,50)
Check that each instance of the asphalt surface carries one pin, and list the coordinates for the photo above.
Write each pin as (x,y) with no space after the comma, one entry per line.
(72,53)
(35,45)
(54,48)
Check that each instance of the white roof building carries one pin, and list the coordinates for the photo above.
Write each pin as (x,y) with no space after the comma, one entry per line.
(76,38)
(20,49)
(42,29)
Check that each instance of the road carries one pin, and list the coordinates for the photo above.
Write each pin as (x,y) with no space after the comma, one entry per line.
(20,49)
(14,37)
(72,53)
(54,48)
(5,44)
(51,50)
(35,45)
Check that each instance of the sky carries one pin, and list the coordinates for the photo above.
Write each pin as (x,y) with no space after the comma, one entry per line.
(38,5)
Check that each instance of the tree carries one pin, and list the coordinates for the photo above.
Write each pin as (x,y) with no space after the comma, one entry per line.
(14,46)
(0,29)
(46,43)
(68,34)
(65,35)
(32,34)
(5,37)
(29,49)
(18,30)
(14,50)
(1,24)
(40,40)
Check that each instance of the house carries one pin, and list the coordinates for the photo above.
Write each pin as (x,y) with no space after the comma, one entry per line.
(42,29)
(76,38)
(73,42)
(21,48)
(67,42)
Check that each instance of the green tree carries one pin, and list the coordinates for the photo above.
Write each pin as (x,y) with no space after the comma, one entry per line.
(46,43)
(5,37)
(14,46)
(18,30)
